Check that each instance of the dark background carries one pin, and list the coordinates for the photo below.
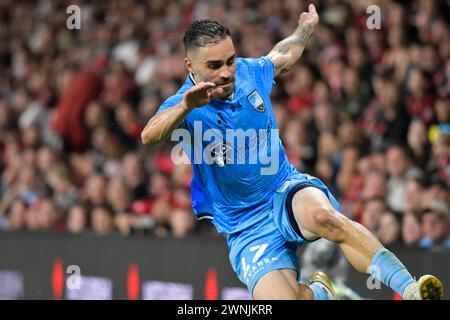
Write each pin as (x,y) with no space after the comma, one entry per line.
(200,262)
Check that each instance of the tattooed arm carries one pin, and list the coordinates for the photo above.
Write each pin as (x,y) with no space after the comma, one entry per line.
(287,52)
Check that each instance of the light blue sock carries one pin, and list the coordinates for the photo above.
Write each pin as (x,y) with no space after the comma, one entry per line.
(319,291)
(387,268)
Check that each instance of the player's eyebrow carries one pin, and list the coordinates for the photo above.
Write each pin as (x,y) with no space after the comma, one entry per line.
(220,61)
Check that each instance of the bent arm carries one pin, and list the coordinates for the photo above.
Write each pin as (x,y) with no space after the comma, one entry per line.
(289,50)
(161,125)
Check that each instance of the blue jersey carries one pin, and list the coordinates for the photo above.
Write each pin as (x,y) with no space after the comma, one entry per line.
(237,186)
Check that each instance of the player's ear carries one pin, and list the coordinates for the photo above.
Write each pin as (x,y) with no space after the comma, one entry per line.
(188,63)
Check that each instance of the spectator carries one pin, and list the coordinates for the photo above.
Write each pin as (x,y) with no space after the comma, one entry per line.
(355,94)
(42,215)
(436,191)
(181,222)
(386,120)
(77,219)
(435,226)
(419,101)
(295,140)
(117,195)
(95,190)
(46,158)
(389,229)
(442,108)
(102,220)
(299,88)
(48,215)
(441,153)
(414,189)
(397,165)
(375,185)
(161,212)
(84,87)
(16,216)
(411,230)
(325,171)
(65,193)
(324,119)
(133,175)
(373,209)
(32,221)
(348,168)
(418,143)
(124,223)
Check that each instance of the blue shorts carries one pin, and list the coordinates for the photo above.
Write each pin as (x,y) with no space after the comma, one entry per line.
(272,243)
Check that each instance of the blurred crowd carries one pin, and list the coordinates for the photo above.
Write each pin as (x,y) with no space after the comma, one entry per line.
(367,111)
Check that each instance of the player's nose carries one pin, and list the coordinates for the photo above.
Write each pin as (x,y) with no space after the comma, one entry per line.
(225,73)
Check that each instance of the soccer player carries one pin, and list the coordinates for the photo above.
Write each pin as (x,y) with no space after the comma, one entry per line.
(265,214)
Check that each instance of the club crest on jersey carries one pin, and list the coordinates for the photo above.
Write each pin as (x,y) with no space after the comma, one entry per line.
(256,101)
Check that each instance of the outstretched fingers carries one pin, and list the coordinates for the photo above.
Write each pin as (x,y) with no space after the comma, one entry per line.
(202,86)
(210,89)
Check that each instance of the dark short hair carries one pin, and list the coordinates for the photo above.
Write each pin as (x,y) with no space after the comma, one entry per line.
(203,32)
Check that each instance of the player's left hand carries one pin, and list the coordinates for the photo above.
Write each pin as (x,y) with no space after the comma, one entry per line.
(310,18)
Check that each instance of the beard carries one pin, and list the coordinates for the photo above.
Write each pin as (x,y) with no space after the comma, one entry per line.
(227,91)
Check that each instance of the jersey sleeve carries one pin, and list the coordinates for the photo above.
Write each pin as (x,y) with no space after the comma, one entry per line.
(264,69)
(170,102)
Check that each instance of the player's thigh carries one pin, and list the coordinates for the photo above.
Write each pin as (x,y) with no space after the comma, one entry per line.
(316,216)
(277,285)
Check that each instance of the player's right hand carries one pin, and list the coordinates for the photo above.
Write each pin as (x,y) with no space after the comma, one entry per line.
(201,94)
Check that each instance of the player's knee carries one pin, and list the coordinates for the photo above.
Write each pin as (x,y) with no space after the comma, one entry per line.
(331,223)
